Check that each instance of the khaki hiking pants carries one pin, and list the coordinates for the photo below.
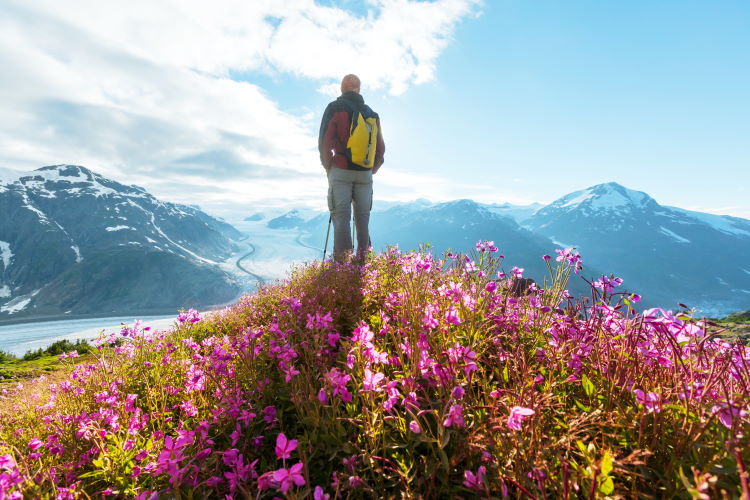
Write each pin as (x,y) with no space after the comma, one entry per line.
(347,188)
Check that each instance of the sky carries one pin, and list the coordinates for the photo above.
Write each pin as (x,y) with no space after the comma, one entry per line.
(218,103)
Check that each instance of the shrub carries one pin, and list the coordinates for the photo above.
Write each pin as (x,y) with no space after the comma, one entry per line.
(6,357)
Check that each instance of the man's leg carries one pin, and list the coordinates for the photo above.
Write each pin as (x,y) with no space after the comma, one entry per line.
(339,203)
(362,199)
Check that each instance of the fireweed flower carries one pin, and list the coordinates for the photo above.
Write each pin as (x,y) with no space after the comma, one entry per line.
(517,272)
(35,444)
(483,246)
(607,284)
(284,447)
(196,380)
(319,494)
(286,478)
(475,481)
(727,414)
(372,381)
(458,392)
(414,427)
(651,401)
(517,415)
(455,417)
(451,317)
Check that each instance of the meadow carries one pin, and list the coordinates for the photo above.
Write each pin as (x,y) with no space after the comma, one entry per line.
(409,376)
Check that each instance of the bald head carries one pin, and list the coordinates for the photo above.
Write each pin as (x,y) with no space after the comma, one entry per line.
(350,83)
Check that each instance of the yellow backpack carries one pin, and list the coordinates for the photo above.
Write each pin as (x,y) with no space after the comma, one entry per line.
(363,138)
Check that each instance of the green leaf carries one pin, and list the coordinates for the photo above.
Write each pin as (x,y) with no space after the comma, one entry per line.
(506,375)
(588,386)
(581,447)
(607,463)
(607,486)
(582,406)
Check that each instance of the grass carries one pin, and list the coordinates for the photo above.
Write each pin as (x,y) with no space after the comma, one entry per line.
(40,362)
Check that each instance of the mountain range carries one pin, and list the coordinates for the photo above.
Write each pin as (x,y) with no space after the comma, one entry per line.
(74,242)
(668,255)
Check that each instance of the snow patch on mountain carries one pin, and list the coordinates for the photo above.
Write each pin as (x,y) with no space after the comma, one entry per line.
(19,303)
(519,213)
(561,244)
(27,204)
(4,291)
(722,223)
(8,176)
(117,228)
(164,235)
(5,254)
(673,235)
(77,252)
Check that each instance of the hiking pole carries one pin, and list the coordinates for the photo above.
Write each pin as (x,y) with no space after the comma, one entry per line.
(327,233)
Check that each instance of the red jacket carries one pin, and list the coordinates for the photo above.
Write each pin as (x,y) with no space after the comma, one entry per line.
(334,133)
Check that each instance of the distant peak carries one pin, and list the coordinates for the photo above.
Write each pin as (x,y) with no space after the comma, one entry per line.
(64,170)
(607,196)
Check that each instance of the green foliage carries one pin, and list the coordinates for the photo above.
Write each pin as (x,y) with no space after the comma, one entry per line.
(57,348)
(6,357)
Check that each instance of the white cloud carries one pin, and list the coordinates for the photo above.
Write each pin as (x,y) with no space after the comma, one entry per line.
(143,91)
(396,44)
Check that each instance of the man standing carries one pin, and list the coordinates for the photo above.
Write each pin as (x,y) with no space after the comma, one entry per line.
(351,150)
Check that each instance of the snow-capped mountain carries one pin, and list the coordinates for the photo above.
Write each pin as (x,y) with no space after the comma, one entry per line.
(289,220)
(74,241)
(519,213)
(667,254)
(457,226)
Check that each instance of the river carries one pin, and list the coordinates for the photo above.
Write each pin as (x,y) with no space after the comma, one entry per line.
(22,337)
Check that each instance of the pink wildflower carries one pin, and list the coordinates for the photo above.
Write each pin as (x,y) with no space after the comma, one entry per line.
(284,447)
(372,381)
(475,481)
(651,401)
(455,417)
(286,478)
(414,427)
(517,415)
(35,444)
(452,316)
(727,414)
(319,494)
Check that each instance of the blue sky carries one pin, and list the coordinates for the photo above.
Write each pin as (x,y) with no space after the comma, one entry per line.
(516,101)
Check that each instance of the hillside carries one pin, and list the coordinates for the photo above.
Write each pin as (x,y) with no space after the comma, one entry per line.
(407,377)
(74,242)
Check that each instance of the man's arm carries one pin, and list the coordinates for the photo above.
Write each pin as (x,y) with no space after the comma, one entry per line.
(379,150)
(325,154)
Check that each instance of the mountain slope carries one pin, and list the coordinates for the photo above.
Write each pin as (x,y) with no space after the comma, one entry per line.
(457,226)
(65,221)
(667,254)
